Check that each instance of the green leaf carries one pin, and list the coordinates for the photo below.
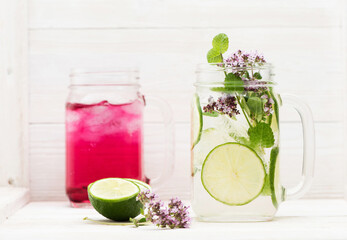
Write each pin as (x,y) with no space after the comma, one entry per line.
(255,105)
(245,74)
(230,78)
(142,220)
(213,114)
(213,56)
(261,135)
(233,84)
(257,75)
(220,43)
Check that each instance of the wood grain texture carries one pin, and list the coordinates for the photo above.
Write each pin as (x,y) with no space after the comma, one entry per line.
(13,93)
(12,199)
(182,13)
(169,70)
(303,219)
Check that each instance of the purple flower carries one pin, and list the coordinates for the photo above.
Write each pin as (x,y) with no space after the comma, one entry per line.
(225,104)
(244,59)
(175,215)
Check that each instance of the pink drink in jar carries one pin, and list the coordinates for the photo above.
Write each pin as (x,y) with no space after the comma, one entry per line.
(102,140)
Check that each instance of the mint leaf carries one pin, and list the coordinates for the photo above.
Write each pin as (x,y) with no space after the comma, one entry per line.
(230,77)
(213,56)
(220,43)
(233,84)
(257,75)
(245,74)
(261,135)
(255,105)
(212,114)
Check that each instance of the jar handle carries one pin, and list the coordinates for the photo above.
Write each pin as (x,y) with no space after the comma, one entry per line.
(309,146)
(167,116)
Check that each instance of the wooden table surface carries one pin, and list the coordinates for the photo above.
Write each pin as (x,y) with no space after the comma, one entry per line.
(302,219)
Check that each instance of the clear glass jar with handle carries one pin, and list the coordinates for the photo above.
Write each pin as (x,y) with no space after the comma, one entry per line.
(104,130)
(235,147)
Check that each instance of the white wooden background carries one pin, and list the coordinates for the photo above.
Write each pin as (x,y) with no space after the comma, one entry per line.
(302,38)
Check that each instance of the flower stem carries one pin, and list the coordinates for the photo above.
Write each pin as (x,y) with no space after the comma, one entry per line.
(244,113)
(116,223)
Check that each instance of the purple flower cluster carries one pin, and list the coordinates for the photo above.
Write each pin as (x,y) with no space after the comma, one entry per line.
(244,59)
(225,104)
(268,106)
(175,215)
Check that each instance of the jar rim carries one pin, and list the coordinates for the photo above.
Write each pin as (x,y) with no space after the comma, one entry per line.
(206,67)
(104,77)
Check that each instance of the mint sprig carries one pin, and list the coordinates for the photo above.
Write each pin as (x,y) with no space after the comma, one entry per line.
(261,135)
(233,84)
(220,45)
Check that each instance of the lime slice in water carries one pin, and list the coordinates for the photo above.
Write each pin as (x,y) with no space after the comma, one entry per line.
(196,120)
(275,185)
(142,185)
(233,174)
(115,198)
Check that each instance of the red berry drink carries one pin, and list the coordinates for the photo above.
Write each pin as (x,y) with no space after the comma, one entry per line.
(102,140)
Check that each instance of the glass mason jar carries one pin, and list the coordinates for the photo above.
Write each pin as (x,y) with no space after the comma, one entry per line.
(104,130)
(236,144)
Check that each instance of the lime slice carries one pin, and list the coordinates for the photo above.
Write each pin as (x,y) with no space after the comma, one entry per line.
(142,185)
(115,198)
(275,185)
(233,174)
(210,138)
(196,120)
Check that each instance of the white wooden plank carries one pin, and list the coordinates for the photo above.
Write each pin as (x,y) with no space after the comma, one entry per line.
(182,13)
(304,219)
(47,104)
(47,157)
(168,58)
(12,199)
(13,93)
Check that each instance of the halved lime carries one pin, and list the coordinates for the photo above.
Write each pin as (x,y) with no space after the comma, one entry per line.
(210,138)
(196,120)
(275,185)
(233,174)
(115,198)
(142,185)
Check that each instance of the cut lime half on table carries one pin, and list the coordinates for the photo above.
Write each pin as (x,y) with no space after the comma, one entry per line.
(142,185)
(115,198)
(196,120)
(233,174)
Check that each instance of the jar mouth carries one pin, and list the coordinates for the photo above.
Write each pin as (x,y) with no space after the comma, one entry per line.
(215,75)
(104,77)
(246,84)
(221,67)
